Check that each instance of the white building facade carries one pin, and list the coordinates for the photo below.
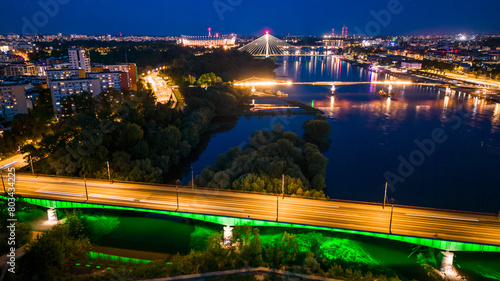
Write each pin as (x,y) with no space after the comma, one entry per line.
(78,59)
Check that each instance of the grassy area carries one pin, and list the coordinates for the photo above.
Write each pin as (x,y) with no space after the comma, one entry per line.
(178,97)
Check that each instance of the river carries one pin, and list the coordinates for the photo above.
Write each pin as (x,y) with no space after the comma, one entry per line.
(437,150)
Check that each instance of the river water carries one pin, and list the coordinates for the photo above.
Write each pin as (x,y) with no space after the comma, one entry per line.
(375,139)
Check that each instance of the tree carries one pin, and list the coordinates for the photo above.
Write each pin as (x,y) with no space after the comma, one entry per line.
(259,165)
(209,79)
(290,247)
(318,129)
(311,263)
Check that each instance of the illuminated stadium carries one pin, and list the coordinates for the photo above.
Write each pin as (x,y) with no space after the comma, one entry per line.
(209,41)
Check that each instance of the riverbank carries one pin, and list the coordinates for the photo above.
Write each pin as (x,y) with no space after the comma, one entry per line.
(422,76)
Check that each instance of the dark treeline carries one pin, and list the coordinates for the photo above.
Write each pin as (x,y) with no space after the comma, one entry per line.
(260,164)
(184,61)
(228,65)
(146,55)
(437,65)
(141,140)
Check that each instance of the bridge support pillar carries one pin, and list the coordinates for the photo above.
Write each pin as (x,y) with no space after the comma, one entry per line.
(446,261)
(51,214)
(228,234)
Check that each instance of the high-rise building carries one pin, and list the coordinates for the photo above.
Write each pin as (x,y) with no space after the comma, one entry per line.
(13,101)
(344,31)
(78,59)
(129,68)
(333,32)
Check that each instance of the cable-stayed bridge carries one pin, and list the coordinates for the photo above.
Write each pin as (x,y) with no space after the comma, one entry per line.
(270,46)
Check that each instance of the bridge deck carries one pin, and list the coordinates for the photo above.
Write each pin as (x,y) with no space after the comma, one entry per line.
(408,223)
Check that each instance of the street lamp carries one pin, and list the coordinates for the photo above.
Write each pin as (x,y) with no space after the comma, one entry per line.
(390,223)
(192,178)
(109,173)
(32,170)
(177,192)
(385,196)
(85,182)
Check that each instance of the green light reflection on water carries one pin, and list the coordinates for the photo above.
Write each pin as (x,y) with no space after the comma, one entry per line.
(434,243)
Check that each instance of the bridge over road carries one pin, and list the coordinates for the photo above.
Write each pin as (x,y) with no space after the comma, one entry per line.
(443,229)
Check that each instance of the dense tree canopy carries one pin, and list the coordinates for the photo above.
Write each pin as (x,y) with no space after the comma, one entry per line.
(317,131)
(259,166)
(209,79)
(142,140)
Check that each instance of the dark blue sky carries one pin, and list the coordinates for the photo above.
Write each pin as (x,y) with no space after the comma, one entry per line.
(252,17)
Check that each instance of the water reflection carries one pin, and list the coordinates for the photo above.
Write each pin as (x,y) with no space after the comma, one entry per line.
(370,133)
(397,110)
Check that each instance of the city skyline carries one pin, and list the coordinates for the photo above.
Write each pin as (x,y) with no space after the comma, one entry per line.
(250,140)
(391,17)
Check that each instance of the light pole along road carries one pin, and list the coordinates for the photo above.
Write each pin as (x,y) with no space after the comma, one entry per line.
(410,221)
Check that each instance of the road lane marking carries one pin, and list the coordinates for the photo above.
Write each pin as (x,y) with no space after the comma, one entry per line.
(8,165)
(220,208)
(320,206)
(440,217)
(111,197)
(162,203)
(59,193)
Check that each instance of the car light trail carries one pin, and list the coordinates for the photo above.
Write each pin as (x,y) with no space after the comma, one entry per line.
(111,197)
(8,165)
(59,193)
(162,203)
(219,208)
(440,217)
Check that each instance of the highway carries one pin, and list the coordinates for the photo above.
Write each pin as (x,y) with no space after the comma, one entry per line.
(162,91)
(411,221)
(472,79)
(17,161)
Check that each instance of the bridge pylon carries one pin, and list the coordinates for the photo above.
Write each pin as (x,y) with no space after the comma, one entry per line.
(267,46)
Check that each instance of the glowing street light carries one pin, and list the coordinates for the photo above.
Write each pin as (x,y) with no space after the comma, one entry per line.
(177,192)
(385,196)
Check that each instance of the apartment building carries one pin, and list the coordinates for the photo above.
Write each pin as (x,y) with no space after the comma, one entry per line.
(13,101)
(129,68)
(63,88)
(78,59)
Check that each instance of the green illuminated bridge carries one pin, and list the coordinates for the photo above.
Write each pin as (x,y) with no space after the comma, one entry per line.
(442,229)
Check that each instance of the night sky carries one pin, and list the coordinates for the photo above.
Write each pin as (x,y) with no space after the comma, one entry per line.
(247,17)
